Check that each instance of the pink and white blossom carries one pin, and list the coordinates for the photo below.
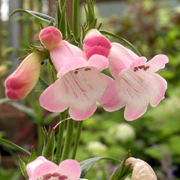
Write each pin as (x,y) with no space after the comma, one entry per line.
(136,83)
(80,84)
(43,169)
(22,81)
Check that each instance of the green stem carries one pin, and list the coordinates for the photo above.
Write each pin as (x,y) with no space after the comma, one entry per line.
(79,129)
(60,137)
(75,18)
(68,139)
(123,40)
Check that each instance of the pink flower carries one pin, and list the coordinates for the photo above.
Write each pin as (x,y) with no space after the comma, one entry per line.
(80,84)
(50,37)
(22,81)
(42,169)
(96,43)
(136,83)
(141,169)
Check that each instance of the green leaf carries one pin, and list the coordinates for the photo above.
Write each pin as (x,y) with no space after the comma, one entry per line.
(33,155)
(48,150)
(30,114)
(14,146)
(23,168)
(43,83)
(4,100)
(88,163)
(41,16)
(122,171)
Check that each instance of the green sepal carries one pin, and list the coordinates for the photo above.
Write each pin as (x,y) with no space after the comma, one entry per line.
(48,149)
(43,83)
(88,163)
(41,26)
(45,18)
(29,51)
(58,13)
(45,134)
(22,57)
(90,12)
(122,171)
(62,24)
(33,155)
(23,168)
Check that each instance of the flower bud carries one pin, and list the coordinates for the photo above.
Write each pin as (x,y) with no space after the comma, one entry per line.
(141,169)
(50,37)
(96,43)
(22,81)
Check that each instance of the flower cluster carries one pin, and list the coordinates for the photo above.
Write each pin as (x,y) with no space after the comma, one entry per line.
(80,83)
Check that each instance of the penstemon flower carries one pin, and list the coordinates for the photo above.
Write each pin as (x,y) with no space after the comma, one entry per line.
(80,84)
(43,169)
(22,81)
(141,169)
(136,83)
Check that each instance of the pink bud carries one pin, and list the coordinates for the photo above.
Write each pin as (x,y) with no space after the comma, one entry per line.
(21,82)
(50,37)
(141,169)
(96,43)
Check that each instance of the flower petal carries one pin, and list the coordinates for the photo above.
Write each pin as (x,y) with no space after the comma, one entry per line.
(99,62)
(55,97)
(157,62)
(70,168)
(81,114)
(32,165)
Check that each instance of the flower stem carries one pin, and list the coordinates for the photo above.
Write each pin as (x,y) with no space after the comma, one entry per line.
(75,18)
(123,40)
(60,137)
(68,139)
(78,134)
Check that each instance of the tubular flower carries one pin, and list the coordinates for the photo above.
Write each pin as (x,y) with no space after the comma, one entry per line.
(136,83)
(42,169)
(96,43)
(22,81)
(80,84)
(141,169)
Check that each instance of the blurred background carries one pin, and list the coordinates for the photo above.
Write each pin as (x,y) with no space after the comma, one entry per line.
(153,27)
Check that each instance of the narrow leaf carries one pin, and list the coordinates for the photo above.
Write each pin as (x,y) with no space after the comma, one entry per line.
(63,25)
(48,150)
(4,100)
(14,146)
(36,14)
(49,118)
(43,83)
